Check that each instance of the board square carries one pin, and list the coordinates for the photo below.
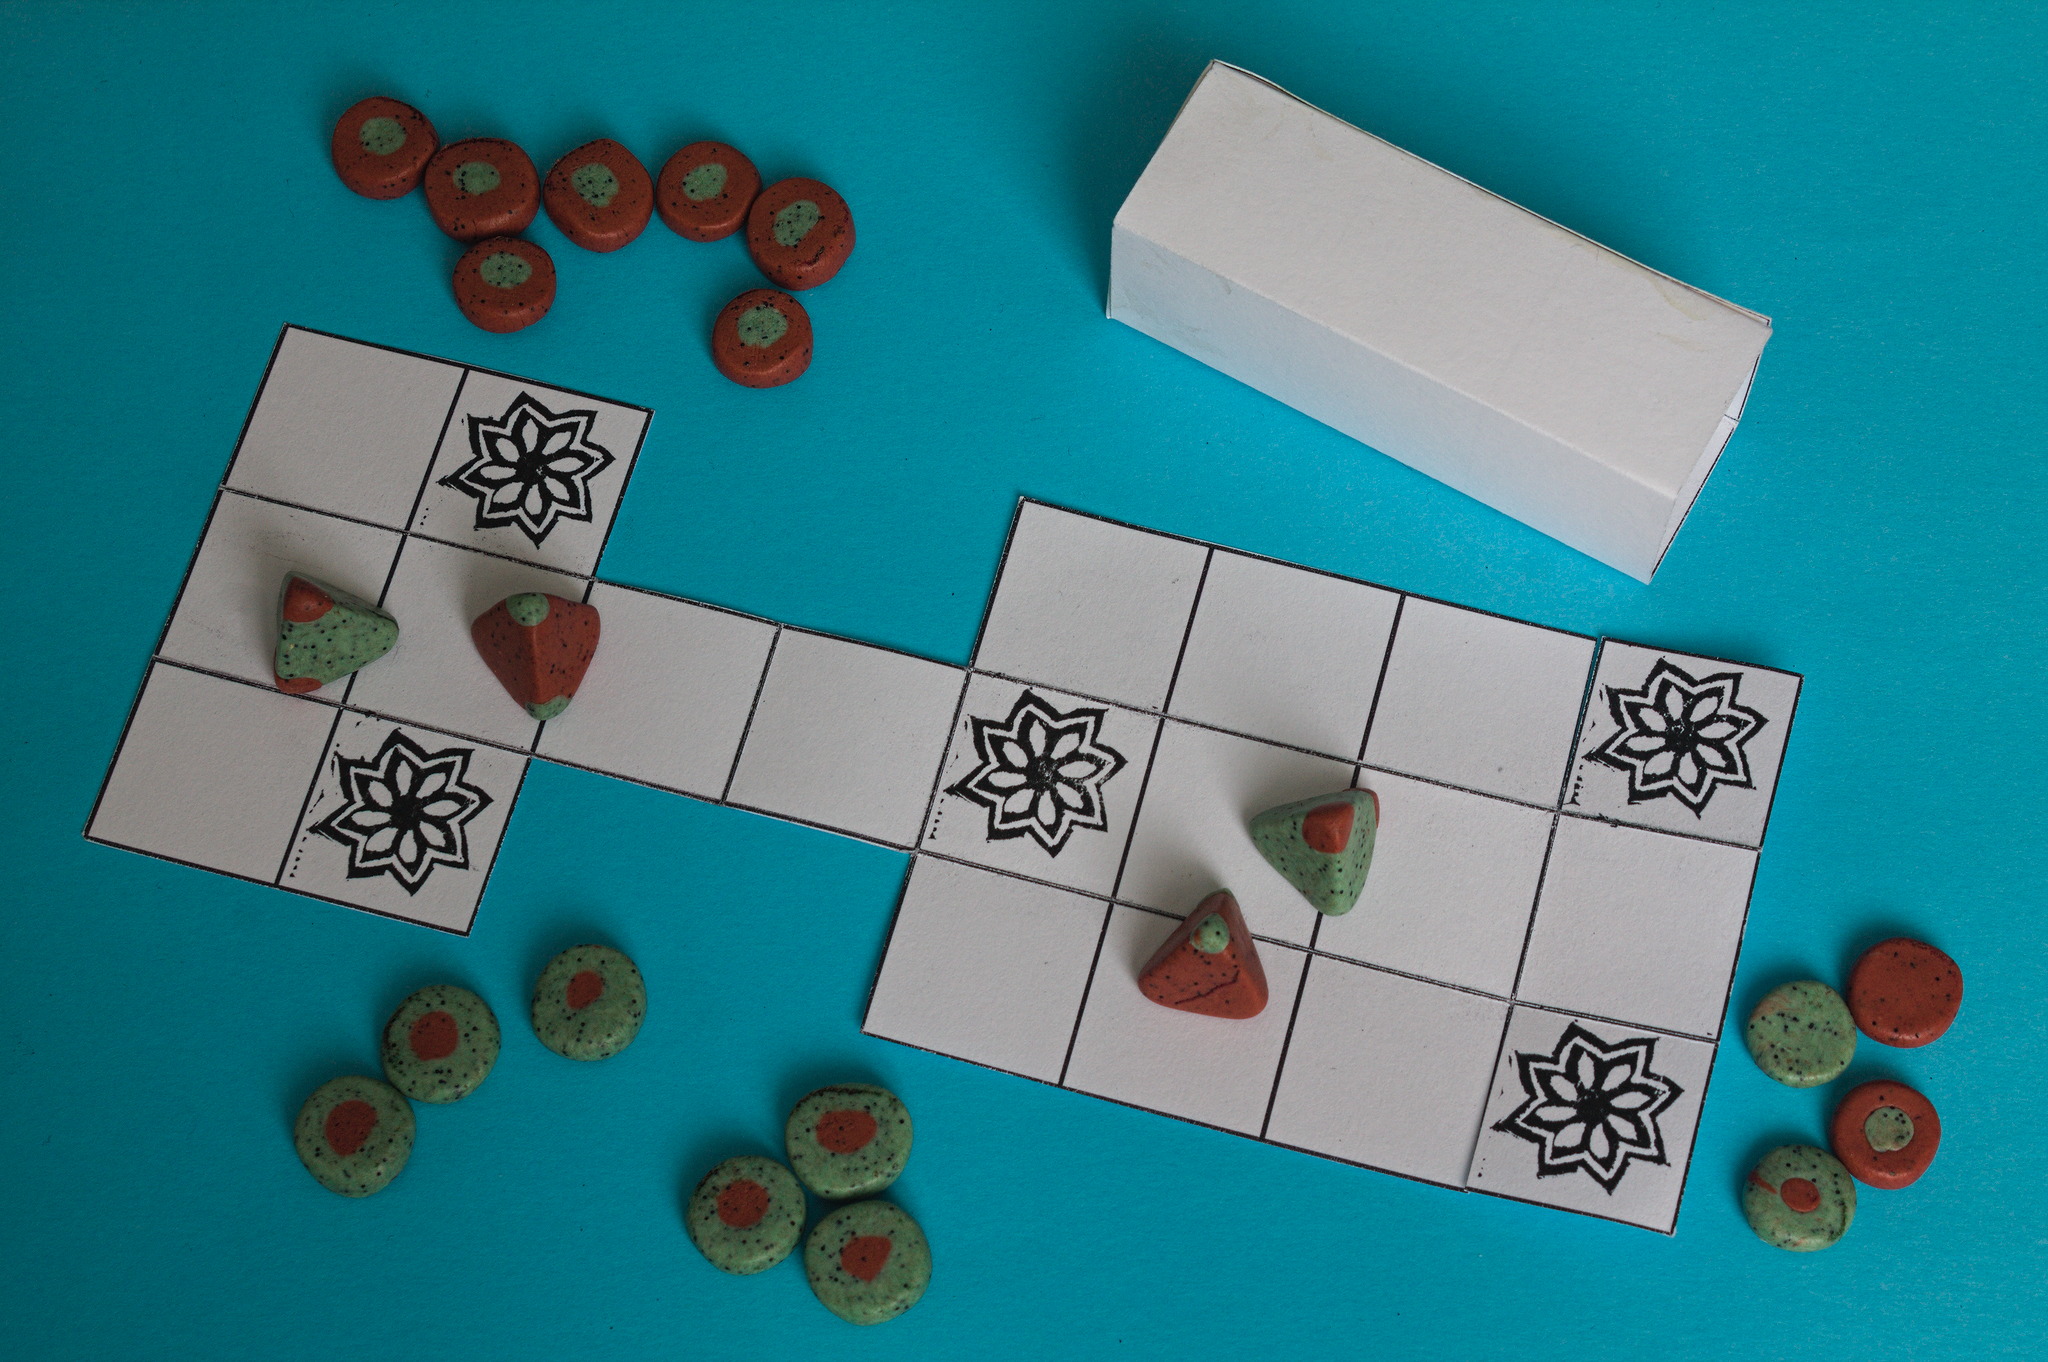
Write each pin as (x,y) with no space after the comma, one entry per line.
(1079,842)
(212,772)
(1452,884)
(1480,702)
(1638,926)
(226,617)
(1090,607)
(405,821)
(1193,836)
(1535,1147)
(1386,1071)
(847,737)
(1283,653)
(667,696)
(1209,1069)
(986,967)
(345,427)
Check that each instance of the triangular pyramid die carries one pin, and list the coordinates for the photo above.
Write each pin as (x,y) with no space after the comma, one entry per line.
(324,633)
(1208,964)
(1322,845)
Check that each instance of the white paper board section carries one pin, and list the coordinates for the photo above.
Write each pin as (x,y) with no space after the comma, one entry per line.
(1568,830)
(1551,378)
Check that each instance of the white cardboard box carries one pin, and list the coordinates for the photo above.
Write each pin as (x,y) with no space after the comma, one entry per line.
(1522,364)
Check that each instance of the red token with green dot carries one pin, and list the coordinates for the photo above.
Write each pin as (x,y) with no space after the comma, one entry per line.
(705,191)
(504,284)
(746,1215)
(1885,1134)
(382,146)
(588,1003)
(762,339)
(599,195)
(799,232)
(440,1044)
(482,187)
(849,1140)
(354,1135)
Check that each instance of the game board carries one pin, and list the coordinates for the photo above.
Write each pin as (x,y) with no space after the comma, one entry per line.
(1526,1002)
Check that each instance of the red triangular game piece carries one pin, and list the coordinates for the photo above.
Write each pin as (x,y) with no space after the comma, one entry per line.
(539,646)
(1209,965)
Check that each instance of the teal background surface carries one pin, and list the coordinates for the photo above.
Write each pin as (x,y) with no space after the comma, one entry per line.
(1871,176)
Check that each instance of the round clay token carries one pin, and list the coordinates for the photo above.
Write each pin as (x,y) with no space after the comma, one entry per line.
(1904,992)
(850,1140)
(1801,1035)
(354,1135)
(1799,1198)
(504,284)
(762,339)
(1886,1134)
(868,1262)
(746,1215)
(588,1003)
(440,1044)
(483,187)
(381,146)
(799,233)
(599,195)
(705,191)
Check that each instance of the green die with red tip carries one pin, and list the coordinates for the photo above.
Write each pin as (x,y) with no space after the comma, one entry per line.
(1323,846)
(324,633)
(538,646)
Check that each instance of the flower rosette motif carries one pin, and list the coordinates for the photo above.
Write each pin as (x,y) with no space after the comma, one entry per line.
(405,811)
(530,468)
(1590,1107)
(1041,772)
(1680,737)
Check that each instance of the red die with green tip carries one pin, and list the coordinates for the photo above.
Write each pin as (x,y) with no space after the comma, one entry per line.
(1208,964)
(482,187)
(705,191)
(538,646)
(503,284)
(381,147)
(799,233)
(762,339)
(599,195)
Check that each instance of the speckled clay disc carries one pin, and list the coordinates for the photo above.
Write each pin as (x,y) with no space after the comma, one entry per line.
(868,1262)
(1885,1134)
(440,1044)
(354,1135)
(1801,1034)
(1905,992)
(588,1003)
(848,1141)
(747,1215)
(1799,1198)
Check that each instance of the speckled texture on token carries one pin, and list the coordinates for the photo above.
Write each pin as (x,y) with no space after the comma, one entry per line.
(354,1135)
(1323,846)
(440,1044)
(599,195)
(481,187)
(705,191)
(850,1140)
(381,146)
(868,1262)
(747,1215)
(799,232)
(1904,992)
(324,633)
(1208,965)
(538,646)
(1801,1034)
(504,284)
(1885,1134)
(589,1003)
(762,339)
(1799,1198)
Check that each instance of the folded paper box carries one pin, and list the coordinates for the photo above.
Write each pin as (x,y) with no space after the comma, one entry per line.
(1551,378)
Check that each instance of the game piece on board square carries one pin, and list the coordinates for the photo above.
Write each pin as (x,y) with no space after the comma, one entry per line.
(848,1140)
(1904,992)
(381,146)
(747,1215)
(599,195)
(1801,1035)
(1208,964)
(1322,845)
(324,633)
(504,284)
(762,339)
(354,1135)
(1885,1134)
(481,187)
(589,1002)
(539,646)
(705,191)
(799,232)
(1799,1198)
(868,1262)
(440,1044)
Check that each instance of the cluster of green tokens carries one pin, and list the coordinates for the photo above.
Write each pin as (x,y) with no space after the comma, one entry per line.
(868,1261)
(355,1133)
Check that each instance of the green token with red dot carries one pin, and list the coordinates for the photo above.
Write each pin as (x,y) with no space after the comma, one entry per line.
(440,1044)
(868,1262)
(1799,1198)
(849,1140)
(354,1135)
(588,1003)
(746,1215)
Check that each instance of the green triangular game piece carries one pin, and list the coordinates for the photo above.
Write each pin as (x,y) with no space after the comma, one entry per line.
(324,633)
(1322,845)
